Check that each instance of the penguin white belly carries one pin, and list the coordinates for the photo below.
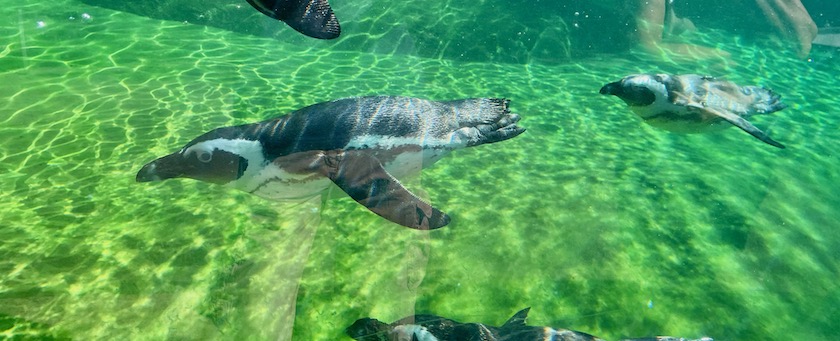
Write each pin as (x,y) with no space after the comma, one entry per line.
(274,183)
(411,332)
(679,119)
(408,164)
(405,156)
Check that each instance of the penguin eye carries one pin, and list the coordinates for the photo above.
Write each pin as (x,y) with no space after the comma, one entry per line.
(204,156)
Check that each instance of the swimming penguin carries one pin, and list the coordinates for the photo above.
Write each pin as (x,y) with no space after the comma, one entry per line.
(361,144)
(436,328)
(420,328)
(695,104)
(313,18)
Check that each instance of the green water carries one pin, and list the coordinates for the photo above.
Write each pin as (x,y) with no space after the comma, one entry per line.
(587,218)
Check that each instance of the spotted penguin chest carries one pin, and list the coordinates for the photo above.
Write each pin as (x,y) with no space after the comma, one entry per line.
(282,180)
(278,183)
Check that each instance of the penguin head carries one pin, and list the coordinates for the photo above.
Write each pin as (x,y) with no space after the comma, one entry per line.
(640,90)
(209,158)
(368,329)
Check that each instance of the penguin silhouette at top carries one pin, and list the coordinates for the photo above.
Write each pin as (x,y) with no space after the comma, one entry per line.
(313,18)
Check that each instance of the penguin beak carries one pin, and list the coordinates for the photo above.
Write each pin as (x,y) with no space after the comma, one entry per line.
(160,169)
(611,88)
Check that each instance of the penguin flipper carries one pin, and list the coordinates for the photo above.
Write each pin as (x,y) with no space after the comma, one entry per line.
(740,122)
(314,18)
(362,176)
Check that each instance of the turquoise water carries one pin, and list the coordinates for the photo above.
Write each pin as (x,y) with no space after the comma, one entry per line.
(595,220)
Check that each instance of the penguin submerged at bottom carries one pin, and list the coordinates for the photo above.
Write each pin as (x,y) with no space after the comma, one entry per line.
(424,327)
(363,145)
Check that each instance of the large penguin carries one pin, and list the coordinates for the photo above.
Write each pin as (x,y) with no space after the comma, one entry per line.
(695,104)
(361,144)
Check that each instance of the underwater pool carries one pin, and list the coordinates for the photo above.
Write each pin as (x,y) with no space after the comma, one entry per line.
(595,220)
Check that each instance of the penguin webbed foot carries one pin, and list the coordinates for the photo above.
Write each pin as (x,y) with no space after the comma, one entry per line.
(503,129)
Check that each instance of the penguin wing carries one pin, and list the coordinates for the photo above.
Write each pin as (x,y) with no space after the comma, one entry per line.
(314,18)
(739,122)
(362,176)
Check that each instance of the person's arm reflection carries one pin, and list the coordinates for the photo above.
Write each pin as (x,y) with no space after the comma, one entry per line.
(792,21)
